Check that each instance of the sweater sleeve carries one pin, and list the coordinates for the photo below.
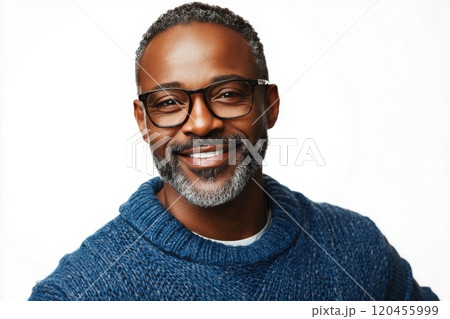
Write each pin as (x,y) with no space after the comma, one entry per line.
(48,292)
(52,287)
(402,286)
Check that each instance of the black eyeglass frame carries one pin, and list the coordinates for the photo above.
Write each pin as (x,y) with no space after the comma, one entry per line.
(253,83)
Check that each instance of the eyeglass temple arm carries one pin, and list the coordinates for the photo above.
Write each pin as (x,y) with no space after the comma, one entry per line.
(144,113)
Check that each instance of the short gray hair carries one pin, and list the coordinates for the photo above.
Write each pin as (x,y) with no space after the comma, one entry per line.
(200,12)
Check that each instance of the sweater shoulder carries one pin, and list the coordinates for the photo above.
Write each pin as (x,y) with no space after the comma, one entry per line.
(339,221)
(78,272)
(349,233)
(360,248)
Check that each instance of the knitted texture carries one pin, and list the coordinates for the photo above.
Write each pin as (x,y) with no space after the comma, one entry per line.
(146,254)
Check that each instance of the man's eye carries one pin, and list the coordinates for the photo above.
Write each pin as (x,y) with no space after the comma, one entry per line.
(169,106)
(229,95)
(167,103)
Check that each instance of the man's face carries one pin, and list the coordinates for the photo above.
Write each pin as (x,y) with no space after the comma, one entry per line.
(191,57)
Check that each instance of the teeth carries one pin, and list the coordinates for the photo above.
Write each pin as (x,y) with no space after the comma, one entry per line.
(206,154)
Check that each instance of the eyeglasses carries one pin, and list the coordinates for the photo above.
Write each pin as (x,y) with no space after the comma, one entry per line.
(227,99)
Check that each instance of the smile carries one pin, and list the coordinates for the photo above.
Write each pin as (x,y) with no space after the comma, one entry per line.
(206,154)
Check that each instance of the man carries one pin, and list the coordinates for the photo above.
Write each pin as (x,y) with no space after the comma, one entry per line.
(213,227)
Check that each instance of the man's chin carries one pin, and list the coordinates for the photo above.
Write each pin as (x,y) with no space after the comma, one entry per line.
(211,174)
(209,187)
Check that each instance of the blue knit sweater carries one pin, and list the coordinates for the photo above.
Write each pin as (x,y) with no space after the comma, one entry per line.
(310,252)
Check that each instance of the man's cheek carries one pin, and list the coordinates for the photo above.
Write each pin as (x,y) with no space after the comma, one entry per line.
(158,142)
(162,154)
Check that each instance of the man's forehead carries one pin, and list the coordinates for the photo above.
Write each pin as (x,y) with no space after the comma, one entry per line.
(196,51)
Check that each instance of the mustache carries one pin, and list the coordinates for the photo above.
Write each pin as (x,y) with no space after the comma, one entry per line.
(210,141)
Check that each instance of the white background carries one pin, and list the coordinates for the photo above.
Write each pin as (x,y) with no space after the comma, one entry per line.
(374,96)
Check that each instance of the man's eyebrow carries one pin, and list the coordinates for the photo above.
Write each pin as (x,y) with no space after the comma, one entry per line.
(167,85)
(227,77)
(176,84)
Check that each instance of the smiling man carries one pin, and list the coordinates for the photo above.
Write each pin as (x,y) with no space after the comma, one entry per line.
(207,128)
(212,226)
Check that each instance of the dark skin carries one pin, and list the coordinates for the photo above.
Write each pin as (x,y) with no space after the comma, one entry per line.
(194,56)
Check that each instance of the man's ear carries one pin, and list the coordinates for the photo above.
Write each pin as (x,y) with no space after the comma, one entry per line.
(140,118)
(272,104)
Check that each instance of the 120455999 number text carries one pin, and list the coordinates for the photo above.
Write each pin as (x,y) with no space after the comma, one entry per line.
(404,310)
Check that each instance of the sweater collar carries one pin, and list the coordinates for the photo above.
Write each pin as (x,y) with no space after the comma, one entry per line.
(147,216)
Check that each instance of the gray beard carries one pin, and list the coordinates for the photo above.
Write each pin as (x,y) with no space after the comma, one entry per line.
(171,173)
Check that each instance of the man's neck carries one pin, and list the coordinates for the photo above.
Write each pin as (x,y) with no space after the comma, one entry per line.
(241,218)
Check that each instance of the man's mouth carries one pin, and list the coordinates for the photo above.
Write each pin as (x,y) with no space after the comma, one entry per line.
(206,151)
(208,156)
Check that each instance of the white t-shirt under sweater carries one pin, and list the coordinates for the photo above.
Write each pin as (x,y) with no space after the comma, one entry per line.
(246,241)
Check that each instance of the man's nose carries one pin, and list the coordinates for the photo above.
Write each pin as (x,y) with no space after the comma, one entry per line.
(201,121)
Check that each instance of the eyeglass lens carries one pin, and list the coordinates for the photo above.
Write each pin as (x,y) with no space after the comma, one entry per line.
(229,99)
